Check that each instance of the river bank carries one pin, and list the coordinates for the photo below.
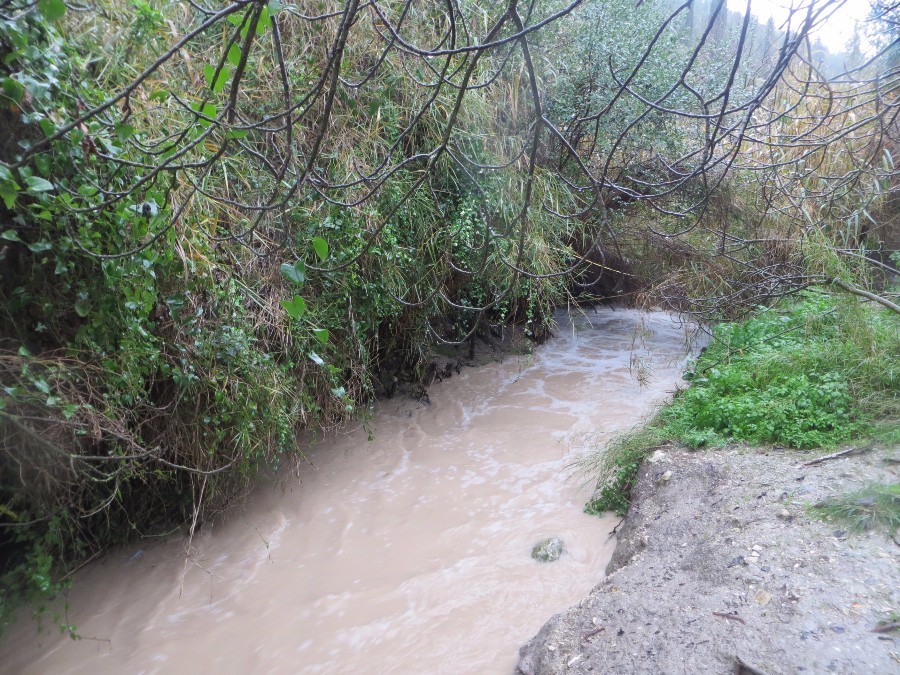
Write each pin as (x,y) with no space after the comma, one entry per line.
(720,568)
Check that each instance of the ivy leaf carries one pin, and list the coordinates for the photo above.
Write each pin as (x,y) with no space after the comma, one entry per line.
(47,126)
(321,335)
(8,194)
(221,81)
(206,109)
(263,22)
(82,307)
(234,54)
(40,246)
(124,131)
(38,184)
(52,10)
(42,162)
(8,189)
(42,386)
(215,82)
(10,235)
(318,360)
(296,308)
(12,89)
(295,273)
(321,247)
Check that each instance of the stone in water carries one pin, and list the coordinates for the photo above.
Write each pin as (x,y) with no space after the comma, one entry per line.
(548,550)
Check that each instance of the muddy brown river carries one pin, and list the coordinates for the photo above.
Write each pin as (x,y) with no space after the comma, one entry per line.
(406,553)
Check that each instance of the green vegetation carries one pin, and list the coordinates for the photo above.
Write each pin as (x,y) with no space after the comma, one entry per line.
(159,348)
(877,506)
(816,372)
(222,225)
(616,467)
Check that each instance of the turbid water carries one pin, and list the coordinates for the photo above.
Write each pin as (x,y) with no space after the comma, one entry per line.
(406,553)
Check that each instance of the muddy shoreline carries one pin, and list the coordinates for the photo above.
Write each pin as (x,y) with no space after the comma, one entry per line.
(720,568)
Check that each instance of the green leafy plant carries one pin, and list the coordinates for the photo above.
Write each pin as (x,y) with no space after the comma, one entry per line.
(806,376)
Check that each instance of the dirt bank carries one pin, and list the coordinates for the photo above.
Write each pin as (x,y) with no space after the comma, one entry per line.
(395,376)
(722,564)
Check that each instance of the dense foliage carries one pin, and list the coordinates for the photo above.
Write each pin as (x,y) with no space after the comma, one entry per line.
(151,370)
(810,376)
(219,226)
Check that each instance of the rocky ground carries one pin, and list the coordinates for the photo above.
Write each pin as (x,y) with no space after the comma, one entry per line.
(721,568)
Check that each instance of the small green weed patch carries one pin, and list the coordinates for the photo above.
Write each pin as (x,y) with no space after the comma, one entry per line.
(617,467)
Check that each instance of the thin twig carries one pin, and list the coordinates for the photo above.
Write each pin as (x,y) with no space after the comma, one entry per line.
(741,667)
(591,633)
(837,455)
(733,617)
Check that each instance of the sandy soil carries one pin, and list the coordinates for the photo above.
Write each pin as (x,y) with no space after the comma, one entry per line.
(722,564)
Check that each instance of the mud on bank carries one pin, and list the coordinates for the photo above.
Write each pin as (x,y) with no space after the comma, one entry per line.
(719,564)
(443,360)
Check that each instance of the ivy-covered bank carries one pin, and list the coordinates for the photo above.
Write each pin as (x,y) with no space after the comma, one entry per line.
(150,371)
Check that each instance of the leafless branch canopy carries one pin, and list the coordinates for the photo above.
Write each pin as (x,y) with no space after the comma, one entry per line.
(327,137)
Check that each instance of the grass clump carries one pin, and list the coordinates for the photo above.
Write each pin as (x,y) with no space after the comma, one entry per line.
(816,372)
(874,507)
(617,466)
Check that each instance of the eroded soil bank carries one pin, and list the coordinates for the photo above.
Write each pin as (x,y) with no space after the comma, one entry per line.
(719,563)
